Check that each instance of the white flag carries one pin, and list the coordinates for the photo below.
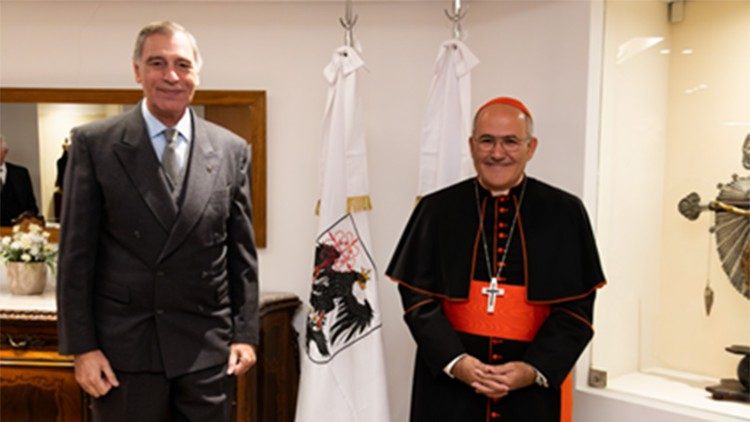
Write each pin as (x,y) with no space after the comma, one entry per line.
(444,157)
(343,372)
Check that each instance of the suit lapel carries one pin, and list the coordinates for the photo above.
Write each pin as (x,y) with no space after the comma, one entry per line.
(136,153)
(198,185)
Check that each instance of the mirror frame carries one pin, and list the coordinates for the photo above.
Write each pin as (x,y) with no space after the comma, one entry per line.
(242,112)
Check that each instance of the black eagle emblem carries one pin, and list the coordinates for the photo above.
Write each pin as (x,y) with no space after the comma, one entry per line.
(333,290)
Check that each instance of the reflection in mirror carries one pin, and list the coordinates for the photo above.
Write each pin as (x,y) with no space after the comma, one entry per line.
(36,124)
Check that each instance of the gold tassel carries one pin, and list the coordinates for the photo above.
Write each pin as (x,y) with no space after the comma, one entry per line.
(358,203)
(353,204)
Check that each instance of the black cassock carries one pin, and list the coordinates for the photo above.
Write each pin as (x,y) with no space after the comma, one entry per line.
(552,258)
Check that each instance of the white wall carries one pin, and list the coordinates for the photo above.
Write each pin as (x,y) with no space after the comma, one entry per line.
(537,50)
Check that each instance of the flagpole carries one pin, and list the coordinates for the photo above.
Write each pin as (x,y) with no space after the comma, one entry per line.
(455,16)
(348,23)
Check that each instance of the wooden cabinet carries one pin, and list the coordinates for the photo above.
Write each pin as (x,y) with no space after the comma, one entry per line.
(37,384)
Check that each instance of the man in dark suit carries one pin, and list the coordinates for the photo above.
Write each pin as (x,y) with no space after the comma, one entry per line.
(157,282)
(16,193)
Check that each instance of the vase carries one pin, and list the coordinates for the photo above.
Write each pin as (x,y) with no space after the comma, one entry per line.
(26,278)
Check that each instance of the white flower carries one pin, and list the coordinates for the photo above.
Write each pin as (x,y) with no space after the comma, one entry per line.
(28,245)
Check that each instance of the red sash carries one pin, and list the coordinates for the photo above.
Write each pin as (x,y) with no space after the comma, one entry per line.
(514,318)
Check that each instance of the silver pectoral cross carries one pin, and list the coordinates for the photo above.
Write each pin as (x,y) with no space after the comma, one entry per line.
(492,292)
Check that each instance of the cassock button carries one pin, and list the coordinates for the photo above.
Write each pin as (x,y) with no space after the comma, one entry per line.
(502,210)
(495,415)
(502,235)
(502,225)
(496,356)
(497,341)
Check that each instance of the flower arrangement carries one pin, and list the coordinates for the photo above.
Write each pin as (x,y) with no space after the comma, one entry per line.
(28,245)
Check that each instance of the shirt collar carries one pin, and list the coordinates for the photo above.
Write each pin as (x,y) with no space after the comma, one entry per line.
(515,189)
(156,127)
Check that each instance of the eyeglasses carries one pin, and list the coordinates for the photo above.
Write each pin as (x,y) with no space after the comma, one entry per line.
(511,143)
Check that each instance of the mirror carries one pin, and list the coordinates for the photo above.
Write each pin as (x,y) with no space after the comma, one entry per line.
(242,112)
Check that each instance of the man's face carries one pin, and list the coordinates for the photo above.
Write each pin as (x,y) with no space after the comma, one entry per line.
(168,75)
(3,150)
(500,167)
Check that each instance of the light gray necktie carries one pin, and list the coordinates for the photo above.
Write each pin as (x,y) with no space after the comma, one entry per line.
(169,160)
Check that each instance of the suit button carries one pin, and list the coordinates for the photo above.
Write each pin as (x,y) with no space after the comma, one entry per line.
(137,234)
(204,274)
(160,312)
(160,273)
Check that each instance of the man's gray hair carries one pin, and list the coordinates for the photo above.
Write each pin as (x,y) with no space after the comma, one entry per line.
(165,28)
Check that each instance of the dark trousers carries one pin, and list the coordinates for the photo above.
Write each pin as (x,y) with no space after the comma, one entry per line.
(200,396)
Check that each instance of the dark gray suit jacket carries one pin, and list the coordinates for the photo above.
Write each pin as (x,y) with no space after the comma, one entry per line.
(155,285)
(17,195)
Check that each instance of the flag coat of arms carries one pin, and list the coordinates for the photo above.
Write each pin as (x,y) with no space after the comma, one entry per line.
(343,371)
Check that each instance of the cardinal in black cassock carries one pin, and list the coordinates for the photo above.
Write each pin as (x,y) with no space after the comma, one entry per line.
(502,349)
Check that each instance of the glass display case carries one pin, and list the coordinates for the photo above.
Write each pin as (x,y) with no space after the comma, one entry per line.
(675,114)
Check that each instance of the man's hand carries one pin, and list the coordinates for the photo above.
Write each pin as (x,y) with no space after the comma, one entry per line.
(241,358)
(94,374)
(514,374)
(478,375)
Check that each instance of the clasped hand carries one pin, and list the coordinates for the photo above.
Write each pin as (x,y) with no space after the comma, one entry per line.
(494,381)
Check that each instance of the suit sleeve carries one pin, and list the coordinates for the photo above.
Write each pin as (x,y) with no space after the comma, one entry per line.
(29,200)
(562,338)
(415,267)
(437,341)
(81,214)
(242,256)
